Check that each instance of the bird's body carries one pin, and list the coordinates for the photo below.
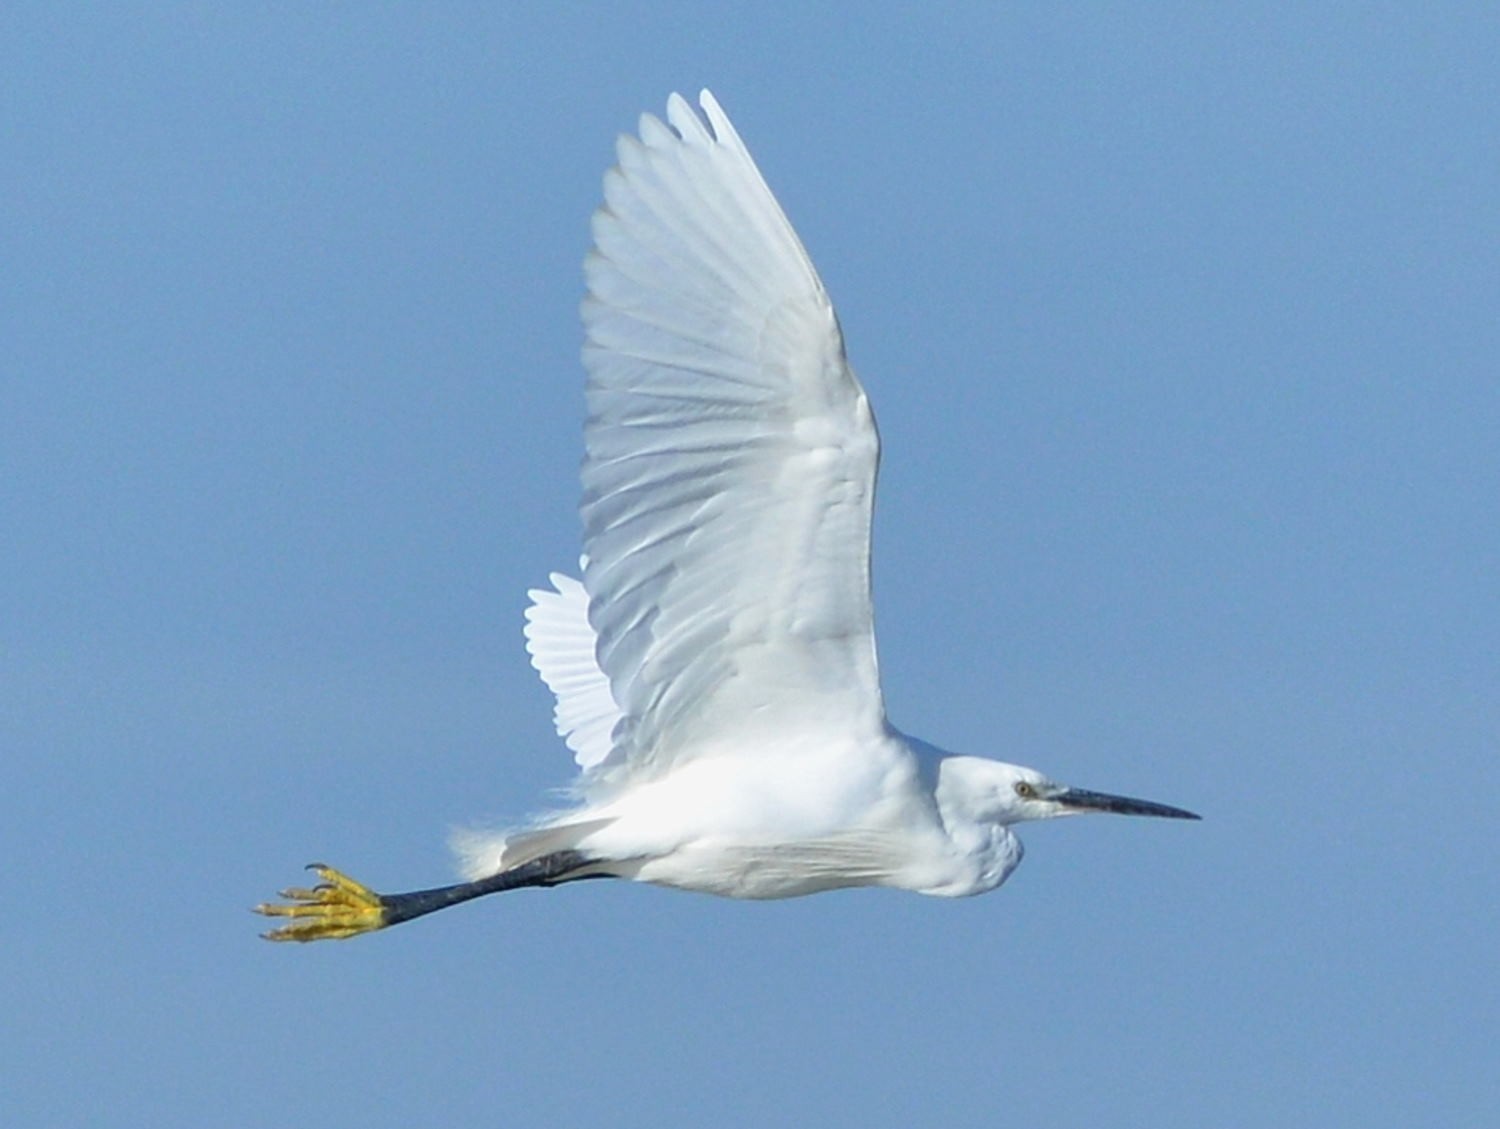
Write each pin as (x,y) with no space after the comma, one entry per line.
(861,813)
(715,668)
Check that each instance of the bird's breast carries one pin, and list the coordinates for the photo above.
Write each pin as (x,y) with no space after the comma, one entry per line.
(770,821)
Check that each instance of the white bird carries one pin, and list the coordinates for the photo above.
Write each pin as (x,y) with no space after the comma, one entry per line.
(715,668)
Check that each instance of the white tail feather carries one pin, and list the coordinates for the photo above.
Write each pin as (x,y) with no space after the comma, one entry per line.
(482,853)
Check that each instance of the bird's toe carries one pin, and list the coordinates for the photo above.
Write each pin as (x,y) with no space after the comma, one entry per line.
(336,908)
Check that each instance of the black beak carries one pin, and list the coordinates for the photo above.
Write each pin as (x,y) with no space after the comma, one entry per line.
(1082,800)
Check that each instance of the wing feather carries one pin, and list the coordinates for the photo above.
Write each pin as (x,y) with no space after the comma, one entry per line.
(561,644)
(730,459)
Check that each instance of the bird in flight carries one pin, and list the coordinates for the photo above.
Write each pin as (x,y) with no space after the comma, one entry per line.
(714,667)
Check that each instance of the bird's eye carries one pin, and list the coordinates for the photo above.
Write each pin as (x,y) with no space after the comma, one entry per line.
(1025,790)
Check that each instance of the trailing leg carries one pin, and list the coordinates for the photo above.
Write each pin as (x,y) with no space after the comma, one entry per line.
(338,907)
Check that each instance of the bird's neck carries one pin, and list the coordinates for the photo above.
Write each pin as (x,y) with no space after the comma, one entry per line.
(983,849)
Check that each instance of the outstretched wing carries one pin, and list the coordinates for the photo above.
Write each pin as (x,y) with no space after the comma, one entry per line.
(730,459)
(561,644)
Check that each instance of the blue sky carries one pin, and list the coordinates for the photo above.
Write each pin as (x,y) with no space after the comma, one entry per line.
(1180,324)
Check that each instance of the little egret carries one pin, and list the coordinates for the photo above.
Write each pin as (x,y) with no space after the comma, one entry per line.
(715,668)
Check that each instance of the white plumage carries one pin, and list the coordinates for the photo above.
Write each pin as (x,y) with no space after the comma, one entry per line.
(561,644)
(730,456)
(715,668)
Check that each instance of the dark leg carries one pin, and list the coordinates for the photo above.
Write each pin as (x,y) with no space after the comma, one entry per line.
(549,870)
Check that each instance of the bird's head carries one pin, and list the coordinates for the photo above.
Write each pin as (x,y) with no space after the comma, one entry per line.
(993,791)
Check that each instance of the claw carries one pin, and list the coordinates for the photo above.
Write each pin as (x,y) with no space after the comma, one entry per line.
(336,908)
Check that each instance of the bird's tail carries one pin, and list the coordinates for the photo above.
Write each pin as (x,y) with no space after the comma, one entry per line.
(483,853)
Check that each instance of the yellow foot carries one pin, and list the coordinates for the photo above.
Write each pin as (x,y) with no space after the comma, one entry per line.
(335,908)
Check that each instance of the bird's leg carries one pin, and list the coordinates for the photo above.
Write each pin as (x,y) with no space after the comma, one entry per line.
(339,907)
